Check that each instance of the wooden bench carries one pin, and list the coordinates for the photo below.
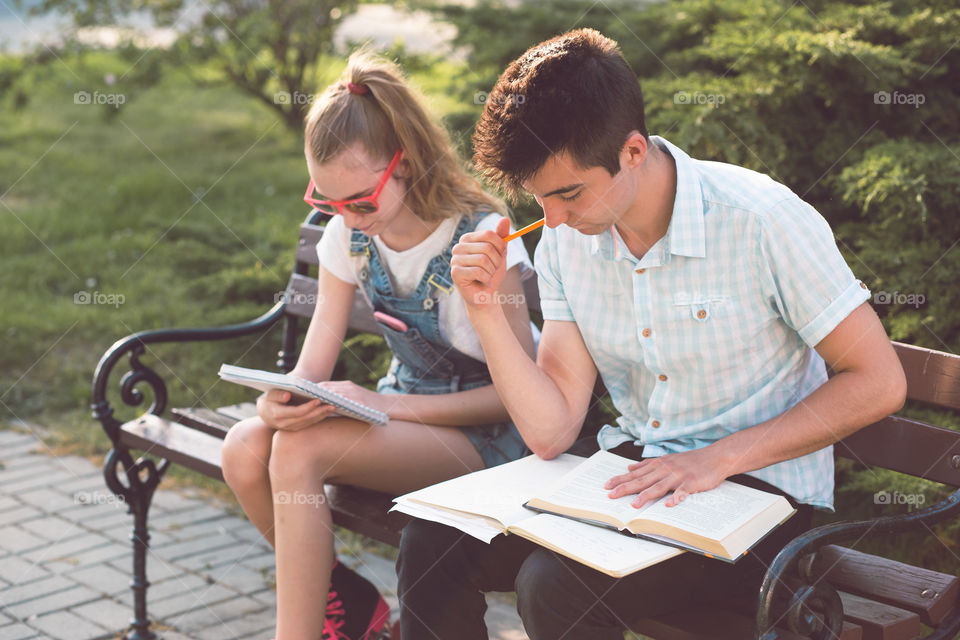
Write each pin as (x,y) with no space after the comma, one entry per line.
(814,589)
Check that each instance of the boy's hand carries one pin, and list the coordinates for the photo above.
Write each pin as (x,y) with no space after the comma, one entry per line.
(682,473)
(277,409)
(479,263)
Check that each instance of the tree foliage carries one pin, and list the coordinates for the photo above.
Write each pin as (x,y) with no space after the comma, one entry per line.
(852,105)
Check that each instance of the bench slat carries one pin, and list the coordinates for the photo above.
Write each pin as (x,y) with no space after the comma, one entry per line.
(176,442)
(715,622)
(217,421)
(302,294)
(310,235)
(366,512)
(890,582)
(205,420)
(880,621)
(237,412)
(932,376)
(906,446)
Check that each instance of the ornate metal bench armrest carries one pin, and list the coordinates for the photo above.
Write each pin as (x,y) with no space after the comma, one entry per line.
(135,345)
(790,591)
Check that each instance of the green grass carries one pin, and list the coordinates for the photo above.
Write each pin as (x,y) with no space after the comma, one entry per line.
(179,210)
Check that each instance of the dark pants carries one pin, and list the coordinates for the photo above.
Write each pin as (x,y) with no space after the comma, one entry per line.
(443,574)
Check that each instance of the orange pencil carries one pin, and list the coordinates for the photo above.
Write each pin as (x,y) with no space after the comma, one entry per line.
(526,229)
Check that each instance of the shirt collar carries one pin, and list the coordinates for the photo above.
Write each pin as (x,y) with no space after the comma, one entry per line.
(686,234)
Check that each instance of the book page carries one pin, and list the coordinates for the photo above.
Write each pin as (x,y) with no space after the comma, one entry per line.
(479,527)
(611,552)
(583,488)
(713,514)
(498,492)
(716,513)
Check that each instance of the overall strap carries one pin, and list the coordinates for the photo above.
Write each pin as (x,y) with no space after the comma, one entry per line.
(436,277)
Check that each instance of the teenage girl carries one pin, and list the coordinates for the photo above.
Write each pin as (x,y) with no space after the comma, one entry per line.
(400,200)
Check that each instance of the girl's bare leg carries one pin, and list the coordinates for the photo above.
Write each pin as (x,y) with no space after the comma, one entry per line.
(396,459)
(245,462)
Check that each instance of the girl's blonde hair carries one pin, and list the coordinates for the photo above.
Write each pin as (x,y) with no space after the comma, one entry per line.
(388,117)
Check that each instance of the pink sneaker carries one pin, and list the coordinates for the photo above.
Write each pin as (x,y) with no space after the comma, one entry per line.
(355,609)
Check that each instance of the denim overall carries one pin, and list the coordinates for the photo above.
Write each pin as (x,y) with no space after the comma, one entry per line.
(423,362)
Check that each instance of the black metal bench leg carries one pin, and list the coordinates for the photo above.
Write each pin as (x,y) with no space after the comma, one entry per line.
(137,493)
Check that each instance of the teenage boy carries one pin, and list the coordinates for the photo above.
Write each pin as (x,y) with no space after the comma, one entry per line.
(707,296)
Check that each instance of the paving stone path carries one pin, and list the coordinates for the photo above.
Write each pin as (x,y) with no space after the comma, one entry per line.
(65,559)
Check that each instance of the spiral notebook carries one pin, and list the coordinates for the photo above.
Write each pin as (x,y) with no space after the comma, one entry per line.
(266,380)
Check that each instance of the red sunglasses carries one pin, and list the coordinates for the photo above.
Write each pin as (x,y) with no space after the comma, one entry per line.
(365,204)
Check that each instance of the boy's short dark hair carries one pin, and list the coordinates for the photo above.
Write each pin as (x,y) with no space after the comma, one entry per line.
(572,93)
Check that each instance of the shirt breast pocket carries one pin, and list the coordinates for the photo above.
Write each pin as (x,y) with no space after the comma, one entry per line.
(707,330)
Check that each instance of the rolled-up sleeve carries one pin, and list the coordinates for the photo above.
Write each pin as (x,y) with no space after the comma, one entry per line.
(553,302)
(803,272)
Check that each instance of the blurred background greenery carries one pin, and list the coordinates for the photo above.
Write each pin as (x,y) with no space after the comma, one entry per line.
(162,177)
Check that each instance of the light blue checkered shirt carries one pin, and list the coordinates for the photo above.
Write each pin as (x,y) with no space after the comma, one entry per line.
(712,330)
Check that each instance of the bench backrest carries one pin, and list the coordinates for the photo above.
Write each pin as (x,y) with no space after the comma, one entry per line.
(900,444)
(910,446)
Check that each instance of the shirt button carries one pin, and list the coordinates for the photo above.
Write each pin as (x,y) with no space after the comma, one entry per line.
(662,377)
(701,314)
(655,424)
(646,333)
(640,270)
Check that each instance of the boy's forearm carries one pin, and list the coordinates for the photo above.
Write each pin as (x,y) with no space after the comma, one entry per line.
(843,404)
(535,403)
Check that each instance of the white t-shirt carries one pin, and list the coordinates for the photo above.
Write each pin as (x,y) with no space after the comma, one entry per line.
(406,269)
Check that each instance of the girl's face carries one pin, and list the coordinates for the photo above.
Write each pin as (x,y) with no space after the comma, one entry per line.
(353,173)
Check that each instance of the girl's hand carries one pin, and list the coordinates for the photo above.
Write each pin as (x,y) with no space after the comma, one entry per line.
(478,265)
(274,409)
(359,394)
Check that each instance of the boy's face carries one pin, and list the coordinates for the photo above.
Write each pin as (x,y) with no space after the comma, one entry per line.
(588,200)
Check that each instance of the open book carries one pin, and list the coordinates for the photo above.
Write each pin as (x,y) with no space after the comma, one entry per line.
(491,502)
(724,522)
(305,389)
